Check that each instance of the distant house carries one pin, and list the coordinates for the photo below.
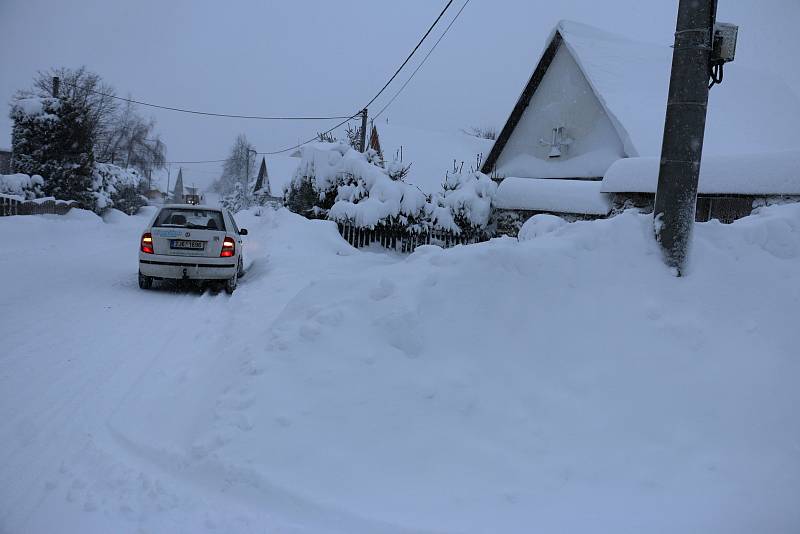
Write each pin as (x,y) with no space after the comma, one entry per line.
(593,112)
(5,161)
(262,188)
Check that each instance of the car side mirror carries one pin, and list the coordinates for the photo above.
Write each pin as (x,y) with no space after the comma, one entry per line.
(242,231)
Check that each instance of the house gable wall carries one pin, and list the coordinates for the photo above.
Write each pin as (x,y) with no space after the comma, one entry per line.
(563,98)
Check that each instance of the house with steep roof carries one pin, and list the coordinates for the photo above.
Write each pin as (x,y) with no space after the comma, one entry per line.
(595,104)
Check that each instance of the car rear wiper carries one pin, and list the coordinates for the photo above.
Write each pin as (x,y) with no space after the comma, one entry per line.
(194,226)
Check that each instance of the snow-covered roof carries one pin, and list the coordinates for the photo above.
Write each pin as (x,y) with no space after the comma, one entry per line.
(776,173)
(552,195)
(751,111)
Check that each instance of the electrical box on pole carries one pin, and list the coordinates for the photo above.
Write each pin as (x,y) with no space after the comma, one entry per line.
(701,48)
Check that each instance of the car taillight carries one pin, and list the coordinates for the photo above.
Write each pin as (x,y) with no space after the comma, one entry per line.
(228,247)
(147,243)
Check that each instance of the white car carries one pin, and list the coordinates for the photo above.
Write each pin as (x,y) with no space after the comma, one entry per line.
(185,242)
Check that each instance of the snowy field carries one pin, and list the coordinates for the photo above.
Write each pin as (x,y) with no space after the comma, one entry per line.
(562,384)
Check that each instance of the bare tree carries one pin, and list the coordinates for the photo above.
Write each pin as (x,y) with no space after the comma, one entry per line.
(132,142)
(239,166)
(119,134)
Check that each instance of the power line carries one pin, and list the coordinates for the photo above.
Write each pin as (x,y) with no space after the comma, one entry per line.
(312,139)
(446,7)
(288,149)
(422,62)
(206,113)
(200,161)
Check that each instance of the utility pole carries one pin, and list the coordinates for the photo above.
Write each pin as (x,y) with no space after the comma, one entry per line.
(56,86)
(363,140)
(684,129)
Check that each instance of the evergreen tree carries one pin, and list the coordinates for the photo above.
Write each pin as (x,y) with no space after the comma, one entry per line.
(51,137)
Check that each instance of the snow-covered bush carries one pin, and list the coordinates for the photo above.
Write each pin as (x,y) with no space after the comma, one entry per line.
(238,199)
(51,138)
(465,204)
(22,185)
(343,185)
(113,186)
(312,191)
(334,181)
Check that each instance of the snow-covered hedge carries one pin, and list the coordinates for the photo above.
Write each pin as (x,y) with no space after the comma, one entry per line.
(343,185)
(115,187)
(112,187)
(22,185)
(465,205)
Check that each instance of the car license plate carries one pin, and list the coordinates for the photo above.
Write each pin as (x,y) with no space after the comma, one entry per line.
(186,244)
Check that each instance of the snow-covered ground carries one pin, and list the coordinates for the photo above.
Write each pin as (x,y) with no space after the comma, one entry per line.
(562,384)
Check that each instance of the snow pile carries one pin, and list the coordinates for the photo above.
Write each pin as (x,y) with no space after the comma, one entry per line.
(563,384)
(776,173)
(549,194)
(539,225)
(23,186)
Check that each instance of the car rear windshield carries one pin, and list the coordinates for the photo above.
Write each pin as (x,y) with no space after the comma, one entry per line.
(189,218)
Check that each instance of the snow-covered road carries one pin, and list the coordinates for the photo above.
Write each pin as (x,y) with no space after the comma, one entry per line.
(82,343)
(564,384)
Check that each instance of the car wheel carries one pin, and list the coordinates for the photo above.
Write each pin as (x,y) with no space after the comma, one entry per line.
(145,282)
(241,268)
(231,283)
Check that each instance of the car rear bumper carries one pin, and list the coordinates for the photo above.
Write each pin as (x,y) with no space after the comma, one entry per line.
(178,267)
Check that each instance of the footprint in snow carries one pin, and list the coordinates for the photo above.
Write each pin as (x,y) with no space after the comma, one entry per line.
(384,289)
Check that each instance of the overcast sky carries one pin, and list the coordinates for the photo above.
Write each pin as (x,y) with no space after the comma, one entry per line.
(329,57)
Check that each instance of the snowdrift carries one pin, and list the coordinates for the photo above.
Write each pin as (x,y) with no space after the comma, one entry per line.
(566,383)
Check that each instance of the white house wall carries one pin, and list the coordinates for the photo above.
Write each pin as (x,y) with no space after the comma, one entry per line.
(563,98)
